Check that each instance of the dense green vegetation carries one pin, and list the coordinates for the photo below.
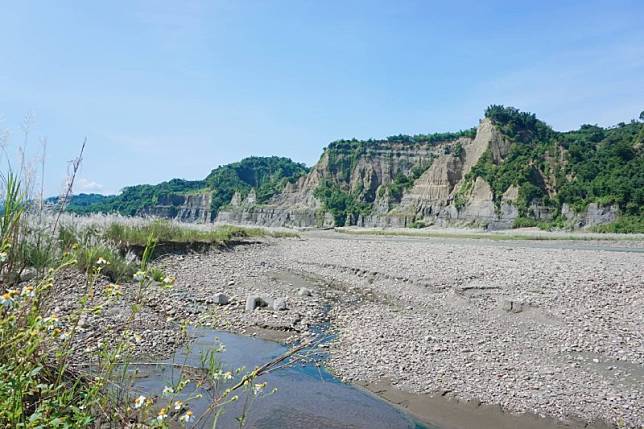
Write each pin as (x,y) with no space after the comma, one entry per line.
(267,175)
(133,199)
(80,201)
(340,203)
(433,138)
(589,165)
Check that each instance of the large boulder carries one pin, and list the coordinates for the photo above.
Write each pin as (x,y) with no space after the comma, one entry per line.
(254,301)
(304,292)
(279,304)
(28,274)
(220,299)
(513,306)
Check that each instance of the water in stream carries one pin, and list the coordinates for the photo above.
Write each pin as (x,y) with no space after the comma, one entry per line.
(307,396)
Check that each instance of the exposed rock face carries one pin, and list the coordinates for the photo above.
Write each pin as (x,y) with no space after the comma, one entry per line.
(297,206)
(442,194)
(432,190)
(186,208)
(429,199)
(276,216)
(480,205)
(594,215)
(432,196)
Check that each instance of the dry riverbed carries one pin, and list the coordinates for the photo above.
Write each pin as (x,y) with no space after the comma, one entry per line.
(547,330)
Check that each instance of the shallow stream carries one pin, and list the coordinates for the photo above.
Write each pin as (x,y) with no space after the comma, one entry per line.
(307,395)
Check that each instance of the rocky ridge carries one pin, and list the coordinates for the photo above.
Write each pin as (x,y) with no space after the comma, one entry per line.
(443,194)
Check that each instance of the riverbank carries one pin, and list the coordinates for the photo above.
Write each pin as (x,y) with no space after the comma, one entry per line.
(549,331)
(504,234)
(441,411)
(516,326)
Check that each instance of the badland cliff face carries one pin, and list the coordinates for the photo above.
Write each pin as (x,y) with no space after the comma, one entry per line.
(185,208)
(511,170)
(437,188)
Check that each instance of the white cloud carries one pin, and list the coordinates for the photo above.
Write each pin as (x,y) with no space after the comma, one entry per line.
(88,186)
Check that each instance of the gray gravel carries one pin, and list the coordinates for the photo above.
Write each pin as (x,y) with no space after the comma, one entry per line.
(553,331)
(432,316)
(437,321)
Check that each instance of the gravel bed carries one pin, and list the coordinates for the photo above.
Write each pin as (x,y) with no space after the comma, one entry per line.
(552,331)
(555,332)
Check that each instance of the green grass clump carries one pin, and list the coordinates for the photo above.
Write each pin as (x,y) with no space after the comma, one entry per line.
(117,268)
(418,224)
(624,225)
(524,222)
(167,232)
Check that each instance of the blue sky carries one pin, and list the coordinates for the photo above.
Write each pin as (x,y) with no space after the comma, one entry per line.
(172,89)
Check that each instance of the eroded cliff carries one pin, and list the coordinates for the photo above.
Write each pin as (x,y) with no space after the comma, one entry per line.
(512,171)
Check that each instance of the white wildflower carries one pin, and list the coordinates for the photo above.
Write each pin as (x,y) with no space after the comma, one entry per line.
(139,276)
(52,319)
(167,391)
(5,299)
(138,402)
(258,388)
(101,261)
(3,257)
(28,291)
(178,405)
(187,417)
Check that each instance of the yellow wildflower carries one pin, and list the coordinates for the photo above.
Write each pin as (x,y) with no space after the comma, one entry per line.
(163,414)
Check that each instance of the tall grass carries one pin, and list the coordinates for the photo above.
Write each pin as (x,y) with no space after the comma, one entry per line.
(168,232)
(41,386)
(13,208)
(41,383)
(114,238)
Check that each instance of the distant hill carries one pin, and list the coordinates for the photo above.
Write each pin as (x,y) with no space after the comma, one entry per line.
(80,200)
(268,175)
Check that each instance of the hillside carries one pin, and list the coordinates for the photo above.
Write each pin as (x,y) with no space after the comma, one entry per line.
(512,170)
(197,200)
